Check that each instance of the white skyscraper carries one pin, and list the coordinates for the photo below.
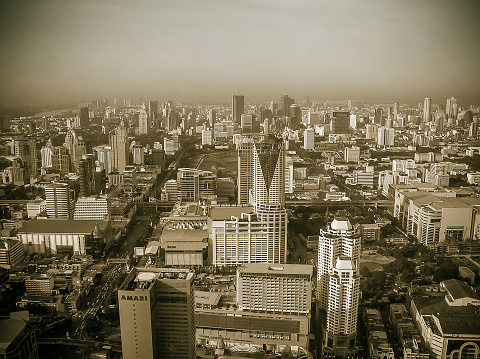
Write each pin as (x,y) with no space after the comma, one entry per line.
(207,137)
(309,139)
(59,198)
(143,126)
(342,313)
(427,109)
(245,168)
(386,136)
(118,143)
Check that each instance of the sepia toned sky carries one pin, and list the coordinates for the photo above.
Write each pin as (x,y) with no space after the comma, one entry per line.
(56,51)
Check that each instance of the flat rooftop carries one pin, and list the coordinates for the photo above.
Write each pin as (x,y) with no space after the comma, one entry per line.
(225,213)
(459,289)
(9,330)
(279,269)
(207,298)
(62,226)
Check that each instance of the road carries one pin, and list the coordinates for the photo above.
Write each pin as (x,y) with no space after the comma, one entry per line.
(106,285)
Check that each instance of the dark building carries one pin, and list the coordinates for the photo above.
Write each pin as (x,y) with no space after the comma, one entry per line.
(341,122)
(285,103)
(17,340)
(378,116)
(84,117)
(238,108)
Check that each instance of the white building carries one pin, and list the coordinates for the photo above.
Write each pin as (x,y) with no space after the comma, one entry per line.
(143,126)
(59,198)
(309,139)
(352,154)
(91,208)
(207,137)
(386,136)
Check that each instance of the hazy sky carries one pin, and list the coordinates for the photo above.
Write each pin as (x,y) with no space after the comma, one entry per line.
(55,51)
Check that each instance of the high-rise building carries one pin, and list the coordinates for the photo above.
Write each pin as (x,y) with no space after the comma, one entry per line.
(59,198)
(247,123)
(26,150)
(18,340)
(61,160)
(295,114)
(386,136)
(118,143)
(338,285)
(285,103)
(309,139)
(268,182)
(92,208)
(207,137)
(104,156)
(153,113)
(138,154)
(242,235)
(212,117)
(86,179)
(395,111)
(46,154)
(352,154)
(342,313)
(340,122)
(238,108)
(339,239)
(196,185)
(245,169)
(427,110)
(279,289)
(378,116)
(156,307)
(143,123)
(84,117)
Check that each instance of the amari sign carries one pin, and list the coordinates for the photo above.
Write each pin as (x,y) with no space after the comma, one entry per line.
(138,298)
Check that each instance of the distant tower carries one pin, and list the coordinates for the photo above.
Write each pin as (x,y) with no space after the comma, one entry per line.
(427,110)
(309,139)
(153,113)
(268,183)
(212,117)
(285,103)
(340,122)
(378,116)
(84,117)
(451,107)
(118,143)
(238,108)
(395,111)
(143,125)
(295,116)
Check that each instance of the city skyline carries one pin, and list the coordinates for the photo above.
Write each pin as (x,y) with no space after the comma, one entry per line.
(58,52)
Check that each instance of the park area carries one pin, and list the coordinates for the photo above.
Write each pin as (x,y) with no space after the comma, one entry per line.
(223,163)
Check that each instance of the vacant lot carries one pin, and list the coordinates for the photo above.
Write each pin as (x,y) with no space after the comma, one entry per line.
(221,162)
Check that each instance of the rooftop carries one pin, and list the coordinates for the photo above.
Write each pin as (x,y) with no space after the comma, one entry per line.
(9,330)
(62,226)
(466,323)
(207,298)
(266,268)
(225,213)
(459,289)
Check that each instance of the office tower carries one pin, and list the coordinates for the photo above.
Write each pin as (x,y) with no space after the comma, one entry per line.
(99,178)
(309,139)
(19,172)
(395,111)
(242,235)
(427,111)
(279,289)
(143,125)
(246,123)
(46,154)
(196,185)
(353,121)
(245,169)
(153,113)
(352,154)
(285,103)
(378,116)
(61,160)
(156,307)
(340,122)
(349,103)
(313,118)
(5,122)
(295,114)
(268,182)
(118,144)
(238,108)
(45,123)
(386,136)
(138,154)
(84,117)
(26,150)
(338,239)
(76,148)
(59,198)
(342,313)
(273,108)
(18,340)
(451,107)
(92,208)
(103,154)
(207,137)
(86,169)
(212,117)
(129,179)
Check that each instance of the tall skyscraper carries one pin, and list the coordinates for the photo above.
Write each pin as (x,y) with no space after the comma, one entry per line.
(451,107)
(386,136)
(156,307)
(238,108)
(340,122)
(143,123)
(427,110)
(378,116)
(338,285)
(212,117)
(395,111)
(268,182)
(118,143)
(285,103)
(84,117)
(245,169)
(153,113)
(59,198)
(295,116)
(247,123)
(26,150)
(342,313)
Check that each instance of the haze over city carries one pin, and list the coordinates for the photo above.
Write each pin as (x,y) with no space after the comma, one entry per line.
(71,51)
